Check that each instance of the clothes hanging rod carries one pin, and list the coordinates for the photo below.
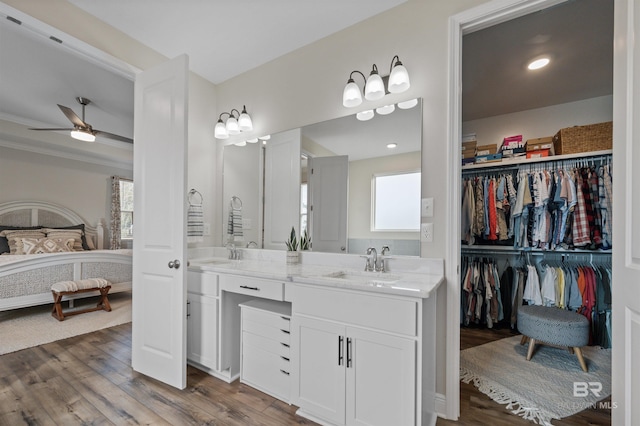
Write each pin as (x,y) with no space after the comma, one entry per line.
(534,252)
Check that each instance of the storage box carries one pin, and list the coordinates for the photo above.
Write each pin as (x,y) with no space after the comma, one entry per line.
(486,149)
(470,153)
(490,158)
(511,142)
(593,137)
(515,152)
(466,161)
(539,153)
(540,143)
(469,145)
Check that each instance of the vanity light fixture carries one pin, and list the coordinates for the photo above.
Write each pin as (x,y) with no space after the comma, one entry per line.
(242,143)
(387,109)
(408,104)
(234,124)
(374,86)
(252,140)
(365,115)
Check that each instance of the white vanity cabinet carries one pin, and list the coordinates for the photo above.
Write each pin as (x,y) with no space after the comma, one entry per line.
(359,356)
(202,320)
(265,347)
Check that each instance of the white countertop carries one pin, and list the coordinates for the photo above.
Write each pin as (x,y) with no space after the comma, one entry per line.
(414,277)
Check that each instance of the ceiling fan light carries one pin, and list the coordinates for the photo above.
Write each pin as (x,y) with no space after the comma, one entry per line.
(387,109)
(221,131)
(83,135)
(232,126)
(365,115)
(351,97)
(374,89)
(408,104)
(244,121)
(399,79)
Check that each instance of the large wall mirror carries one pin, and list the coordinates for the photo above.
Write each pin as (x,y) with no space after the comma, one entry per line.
(351,184)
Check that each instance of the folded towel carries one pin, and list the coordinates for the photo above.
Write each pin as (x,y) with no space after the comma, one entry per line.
(234,225)
(195,223)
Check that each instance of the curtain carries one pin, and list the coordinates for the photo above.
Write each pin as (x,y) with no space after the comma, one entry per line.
(115,213)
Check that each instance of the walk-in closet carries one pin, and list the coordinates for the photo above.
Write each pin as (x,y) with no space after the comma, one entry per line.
(536,190)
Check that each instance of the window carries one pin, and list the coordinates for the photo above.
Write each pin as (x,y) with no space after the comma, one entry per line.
(126,209)
(303,208)
(396,202)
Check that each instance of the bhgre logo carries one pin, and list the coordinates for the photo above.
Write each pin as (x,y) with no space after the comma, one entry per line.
(582,389)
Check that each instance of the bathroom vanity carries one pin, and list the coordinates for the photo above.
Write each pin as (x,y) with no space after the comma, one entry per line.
(345,345)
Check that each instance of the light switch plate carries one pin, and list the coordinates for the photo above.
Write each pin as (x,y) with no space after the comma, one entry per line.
(427,207)
(426,232)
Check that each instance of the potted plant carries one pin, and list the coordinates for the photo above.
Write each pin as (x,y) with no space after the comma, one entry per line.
(292,247)
(305,241)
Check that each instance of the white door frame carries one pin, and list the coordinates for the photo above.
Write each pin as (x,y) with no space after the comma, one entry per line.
(477,18)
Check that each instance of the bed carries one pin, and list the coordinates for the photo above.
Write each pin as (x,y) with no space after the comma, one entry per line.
(26,279)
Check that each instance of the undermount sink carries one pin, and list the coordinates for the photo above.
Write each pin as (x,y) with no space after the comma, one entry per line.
(371,278)
(210,261)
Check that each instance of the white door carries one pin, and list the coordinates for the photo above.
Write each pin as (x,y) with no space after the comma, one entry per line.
(328,188)
(381,379)
(318,375)
(625,283)
(159,260)
(281,188)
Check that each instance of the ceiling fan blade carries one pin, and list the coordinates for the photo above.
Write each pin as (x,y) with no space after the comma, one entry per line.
(52,129)
(112,136)
(72,116)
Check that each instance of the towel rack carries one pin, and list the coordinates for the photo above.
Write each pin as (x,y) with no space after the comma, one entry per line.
(236,203)
(192,193)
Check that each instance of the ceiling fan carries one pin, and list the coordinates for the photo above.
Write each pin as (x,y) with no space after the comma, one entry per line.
(81,129)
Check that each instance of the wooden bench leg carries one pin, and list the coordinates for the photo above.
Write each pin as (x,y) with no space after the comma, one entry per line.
(532,344)
(56,312)
(583,364)
(104,300)
(524,339)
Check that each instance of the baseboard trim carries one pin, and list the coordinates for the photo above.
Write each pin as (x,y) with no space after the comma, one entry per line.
(441,406)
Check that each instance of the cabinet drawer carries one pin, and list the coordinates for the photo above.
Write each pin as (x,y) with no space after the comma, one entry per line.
(267,289)
(267,318)
(381,312)
(280,335)
(202,283)
(266,371)
(273,346)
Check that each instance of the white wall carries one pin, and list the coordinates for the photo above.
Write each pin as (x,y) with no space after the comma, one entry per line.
(540,122)
(82,187)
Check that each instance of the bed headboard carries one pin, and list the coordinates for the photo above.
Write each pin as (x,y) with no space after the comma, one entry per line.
(33,213)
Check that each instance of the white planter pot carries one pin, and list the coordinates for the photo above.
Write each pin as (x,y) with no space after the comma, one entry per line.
(293,257)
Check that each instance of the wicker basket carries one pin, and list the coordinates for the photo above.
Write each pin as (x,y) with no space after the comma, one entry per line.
(593,137)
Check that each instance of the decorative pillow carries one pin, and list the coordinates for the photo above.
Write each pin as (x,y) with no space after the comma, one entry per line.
(46,245)
(85,242)
(76,234)
(4,243)
(13,236)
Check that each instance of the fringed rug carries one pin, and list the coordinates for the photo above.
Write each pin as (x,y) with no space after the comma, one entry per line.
(550,386)
(28,327)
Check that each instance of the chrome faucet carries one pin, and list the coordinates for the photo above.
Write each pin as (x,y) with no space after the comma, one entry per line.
(381,266)
(234,253)
(372,260)
(251,244)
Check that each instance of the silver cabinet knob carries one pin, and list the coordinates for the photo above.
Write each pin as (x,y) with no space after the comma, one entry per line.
(175,264)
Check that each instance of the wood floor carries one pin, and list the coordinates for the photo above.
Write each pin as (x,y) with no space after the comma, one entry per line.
(87,380)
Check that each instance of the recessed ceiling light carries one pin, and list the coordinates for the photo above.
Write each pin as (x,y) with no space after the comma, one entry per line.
(538,63)
(392,145)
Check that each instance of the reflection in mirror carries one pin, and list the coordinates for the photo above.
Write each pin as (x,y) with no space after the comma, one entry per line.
(343,164)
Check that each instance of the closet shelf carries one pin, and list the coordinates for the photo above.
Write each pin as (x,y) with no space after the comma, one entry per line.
(520,160)
(513,250)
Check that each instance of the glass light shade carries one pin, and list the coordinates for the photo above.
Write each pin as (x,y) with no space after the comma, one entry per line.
(265,137)
(351,97)
(220,131)
(408,104)
(365,115)
(83,136)
(232,126)
(387,109)
(538,63)
(252,140)
(244,121)
(374,89)
(399,79)
(243,143)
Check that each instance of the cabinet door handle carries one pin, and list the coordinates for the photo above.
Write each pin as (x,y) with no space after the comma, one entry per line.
(285,331)
(285,358)
(188,308)
(284,344)
(285,318)
(284,372)
(250,288)
(340,338)
(349,362)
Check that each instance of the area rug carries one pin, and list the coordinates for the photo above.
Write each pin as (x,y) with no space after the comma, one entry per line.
(550,386)
(28,327)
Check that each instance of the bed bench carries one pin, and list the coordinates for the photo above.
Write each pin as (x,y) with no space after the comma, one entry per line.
(67,288)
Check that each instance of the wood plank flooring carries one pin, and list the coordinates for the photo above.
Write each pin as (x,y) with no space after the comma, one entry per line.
(87,380)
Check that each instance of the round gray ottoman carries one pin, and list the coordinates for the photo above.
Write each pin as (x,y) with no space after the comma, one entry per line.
(553,326)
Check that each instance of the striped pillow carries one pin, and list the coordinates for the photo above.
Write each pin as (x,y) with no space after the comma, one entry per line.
(46,245)
(14,236)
